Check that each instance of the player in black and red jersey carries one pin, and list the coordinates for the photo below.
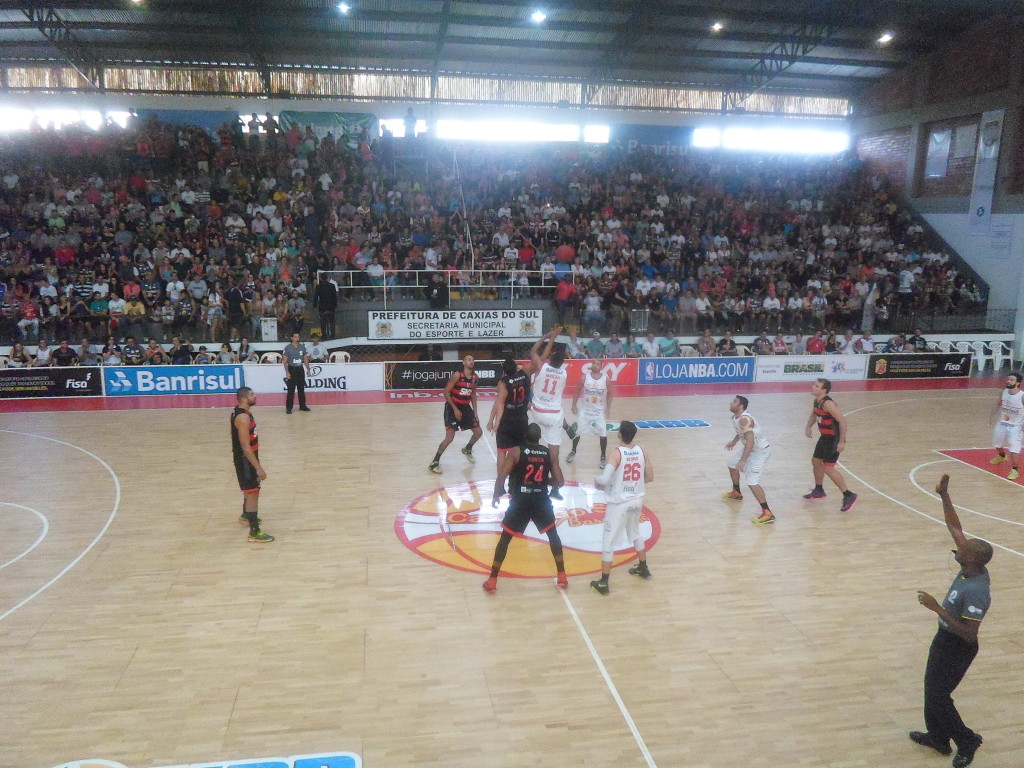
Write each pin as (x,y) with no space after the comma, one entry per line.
(510,412)
(245,449)
(459,411)
(832,426)
(530,471)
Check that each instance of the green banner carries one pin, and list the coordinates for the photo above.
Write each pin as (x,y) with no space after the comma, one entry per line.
(346,126)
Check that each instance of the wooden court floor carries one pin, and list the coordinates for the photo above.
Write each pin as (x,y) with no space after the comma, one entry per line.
(139,626)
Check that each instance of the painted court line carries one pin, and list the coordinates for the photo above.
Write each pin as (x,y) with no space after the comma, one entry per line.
(896,501)
(608,681)
(973,466)
(103,530)
(913,479)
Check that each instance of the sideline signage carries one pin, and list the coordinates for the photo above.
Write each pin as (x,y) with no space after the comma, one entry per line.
(455,324)
(172,380)
(811,367)
(50,382)
(692,370)
(435,374)
(322,377)
(339,760)
(920,365)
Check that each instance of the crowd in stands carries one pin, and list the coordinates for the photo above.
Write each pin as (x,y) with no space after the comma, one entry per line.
(816,343)
(160,231)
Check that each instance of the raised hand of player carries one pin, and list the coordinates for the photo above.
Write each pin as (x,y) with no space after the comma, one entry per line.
(943,487)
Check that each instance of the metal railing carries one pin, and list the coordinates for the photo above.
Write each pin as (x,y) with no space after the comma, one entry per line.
(440,288)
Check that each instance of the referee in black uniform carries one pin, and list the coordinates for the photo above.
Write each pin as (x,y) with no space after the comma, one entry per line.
(296,366)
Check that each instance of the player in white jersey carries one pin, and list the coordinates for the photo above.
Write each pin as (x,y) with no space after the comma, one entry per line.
(624,480)
(751,459)
(596,392)
(546,399)
(1009,417)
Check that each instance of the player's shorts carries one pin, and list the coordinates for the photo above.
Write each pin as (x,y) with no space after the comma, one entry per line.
(619,517)
(592,423)
(827,449)
(550,425)
(468,420)
(248,480)
(512,429)
(755,463)
(527,507)
(1008,436)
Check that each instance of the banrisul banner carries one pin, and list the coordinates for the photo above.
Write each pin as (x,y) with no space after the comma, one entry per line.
(338,760)
(435,375)
(810,367)
(688,370)
(470,324)
(922,365)
(660,140)
(50,382)
(172,380)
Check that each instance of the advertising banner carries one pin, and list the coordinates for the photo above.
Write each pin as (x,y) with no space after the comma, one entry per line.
(619,371)
(689,370)
(811,367)
(322,377)
(50,382)
(986,162)
(435,374)
(470,325)
(925,365)
(660,140)
(120,381)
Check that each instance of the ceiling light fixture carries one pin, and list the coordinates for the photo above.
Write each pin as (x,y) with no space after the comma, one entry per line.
(717,26)
(538,16)
(886,38)
(344,8)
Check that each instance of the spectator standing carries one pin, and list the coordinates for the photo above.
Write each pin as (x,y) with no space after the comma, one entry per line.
(296,366)
(325,299)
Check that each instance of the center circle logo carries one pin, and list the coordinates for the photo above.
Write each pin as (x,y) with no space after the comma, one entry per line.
(456,526)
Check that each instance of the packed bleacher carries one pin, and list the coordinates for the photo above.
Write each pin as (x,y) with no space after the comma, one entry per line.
(159,232)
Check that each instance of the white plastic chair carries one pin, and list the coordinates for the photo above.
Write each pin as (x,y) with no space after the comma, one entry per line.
(981,354)
(1000,354)
(3,361)
(963,346)
(687,351)
(271,357)
(341,356)
(743,350)
(945,346)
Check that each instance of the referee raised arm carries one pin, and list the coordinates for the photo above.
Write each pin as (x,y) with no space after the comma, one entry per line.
(296,366)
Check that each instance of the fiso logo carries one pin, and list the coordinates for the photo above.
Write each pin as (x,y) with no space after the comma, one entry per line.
(330,760)
(457,527)
(953,367)
(79,384)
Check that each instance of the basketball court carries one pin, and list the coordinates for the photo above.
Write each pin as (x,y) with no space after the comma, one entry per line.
(139,626)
